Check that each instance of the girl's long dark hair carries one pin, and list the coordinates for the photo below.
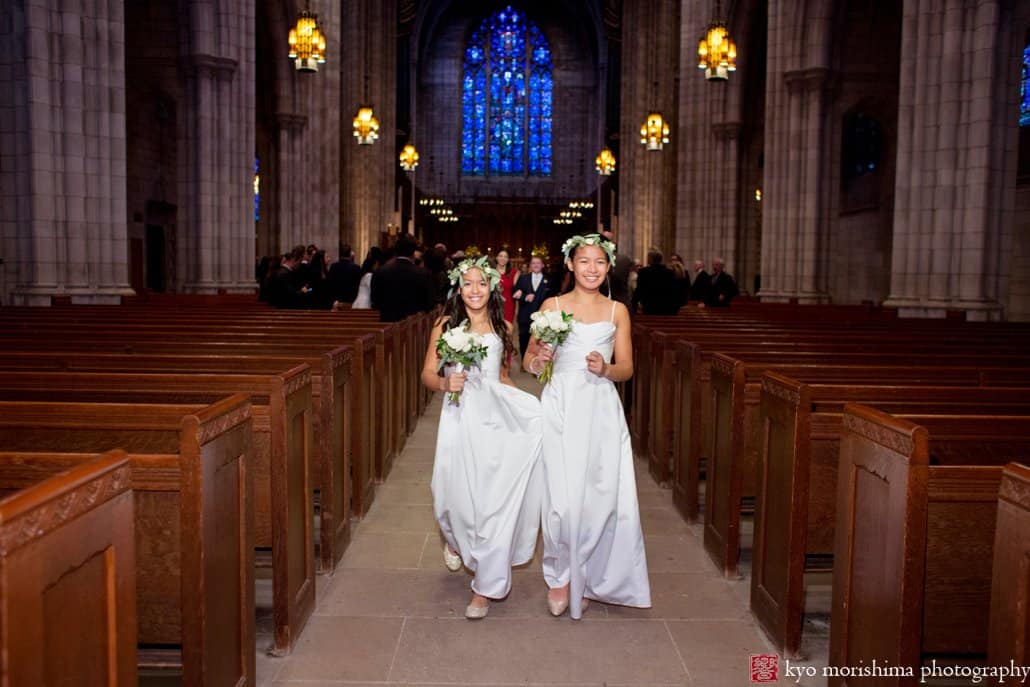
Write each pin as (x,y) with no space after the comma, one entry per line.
(454,314)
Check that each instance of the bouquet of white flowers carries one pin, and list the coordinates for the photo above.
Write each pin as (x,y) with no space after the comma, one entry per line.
(550,327)
(462,348)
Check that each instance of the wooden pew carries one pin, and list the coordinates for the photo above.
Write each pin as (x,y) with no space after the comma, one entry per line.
(736,392)
(282,461)
(330,381)
(917,507)
(1009,632)
(67,578)
(332,395)
(795,506)
(191,478)
(277,339)
(656,418)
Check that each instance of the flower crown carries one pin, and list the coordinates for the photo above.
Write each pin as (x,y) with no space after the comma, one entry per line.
(481,264)
(589,240)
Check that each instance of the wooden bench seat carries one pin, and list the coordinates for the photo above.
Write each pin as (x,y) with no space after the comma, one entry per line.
(736,392)
(340,428)
(282,458)
(191,477)
(917,504)
(653,422)
(1008,639)
(189,338)
(67,576)
(795,501)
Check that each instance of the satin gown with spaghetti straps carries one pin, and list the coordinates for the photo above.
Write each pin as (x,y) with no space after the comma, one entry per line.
(487,479)
(591,519)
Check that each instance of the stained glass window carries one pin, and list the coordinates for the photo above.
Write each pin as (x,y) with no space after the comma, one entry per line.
(1024,90)
(507,99)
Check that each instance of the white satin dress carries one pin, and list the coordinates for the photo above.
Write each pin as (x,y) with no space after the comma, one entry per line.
(591,517)
(487,478)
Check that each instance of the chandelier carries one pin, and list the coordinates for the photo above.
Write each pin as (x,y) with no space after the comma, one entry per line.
(366,126)
(654,133)
(409,158)
(307,44)
(605,162)
(717,53)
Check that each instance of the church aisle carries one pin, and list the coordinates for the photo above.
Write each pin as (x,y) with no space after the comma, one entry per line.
(392,614)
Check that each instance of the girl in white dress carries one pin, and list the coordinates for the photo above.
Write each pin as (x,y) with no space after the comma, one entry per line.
(593,543)
(487,482)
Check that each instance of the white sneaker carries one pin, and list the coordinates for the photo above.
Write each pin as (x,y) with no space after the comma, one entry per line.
(451,560)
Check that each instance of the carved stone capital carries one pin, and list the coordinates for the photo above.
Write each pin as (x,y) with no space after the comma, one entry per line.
(726,131)
(201,64)
(811,79)
(291,121)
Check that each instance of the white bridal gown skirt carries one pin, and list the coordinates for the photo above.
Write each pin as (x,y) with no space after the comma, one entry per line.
(591,519)
(487,480)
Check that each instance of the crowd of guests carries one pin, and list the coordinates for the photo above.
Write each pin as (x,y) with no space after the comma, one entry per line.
(410,278)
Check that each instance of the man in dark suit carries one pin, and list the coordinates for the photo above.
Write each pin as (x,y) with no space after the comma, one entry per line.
(702,283)
(287,289)
(400,287)
(657,289)
(618,276)
(723,287)
(344,276)
(530,292)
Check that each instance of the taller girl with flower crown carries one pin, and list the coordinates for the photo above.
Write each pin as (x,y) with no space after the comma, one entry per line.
(593,543)
(486,479)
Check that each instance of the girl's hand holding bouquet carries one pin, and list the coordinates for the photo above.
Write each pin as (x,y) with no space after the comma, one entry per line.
(550,327)
(463,349)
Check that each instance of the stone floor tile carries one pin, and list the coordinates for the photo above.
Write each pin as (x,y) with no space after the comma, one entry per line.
(384,550)
(391,517)
(547,650)
(677,553)
(686,596)
(662,521)
(334,648)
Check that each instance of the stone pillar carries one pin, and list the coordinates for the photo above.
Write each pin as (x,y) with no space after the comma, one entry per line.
(62,123)
(954,194)
(797,158)
(647,186)
(216,222)
(368,77)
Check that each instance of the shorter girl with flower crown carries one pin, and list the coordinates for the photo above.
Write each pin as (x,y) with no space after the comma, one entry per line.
(593,542)
(486,479)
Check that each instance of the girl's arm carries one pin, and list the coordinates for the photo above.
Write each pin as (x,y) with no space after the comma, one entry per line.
(536,353)
(622,368)
(430,377)
(505,371)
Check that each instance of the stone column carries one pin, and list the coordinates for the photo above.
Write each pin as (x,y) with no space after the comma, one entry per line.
(954,193)
(647,187)
(62,123)
(216,222)
(797,158)
(368,77)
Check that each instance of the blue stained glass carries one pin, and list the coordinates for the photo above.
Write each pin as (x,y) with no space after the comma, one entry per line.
(1024,90)
(506,98)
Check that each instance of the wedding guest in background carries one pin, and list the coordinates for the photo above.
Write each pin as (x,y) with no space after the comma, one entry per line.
(400,287)
(702,283)
(530,292)
(723,288)
(344,276)
(657,289)
(508,274)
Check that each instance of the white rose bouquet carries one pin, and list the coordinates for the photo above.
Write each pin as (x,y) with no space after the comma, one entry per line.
(551,327)
(463,349)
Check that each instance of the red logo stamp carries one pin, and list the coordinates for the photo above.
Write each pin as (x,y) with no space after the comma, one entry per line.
(765,667)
